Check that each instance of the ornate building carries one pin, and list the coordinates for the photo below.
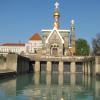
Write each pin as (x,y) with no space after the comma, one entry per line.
(54,42)
(59,42)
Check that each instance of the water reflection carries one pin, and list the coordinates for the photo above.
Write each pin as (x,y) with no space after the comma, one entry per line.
(50,87)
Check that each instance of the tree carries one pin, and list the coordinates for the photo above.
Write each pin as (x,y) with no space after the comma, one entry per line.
(82,47)
(96,45)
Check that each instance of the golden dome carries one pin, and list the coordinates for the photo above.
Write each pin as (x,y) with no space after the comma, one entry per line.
(56,14)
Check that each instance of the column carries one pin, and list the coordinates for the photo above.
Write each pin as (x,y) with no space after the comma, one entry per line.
(36,78)
(61,67)
(97,64)
(37,66)
(49,69)
(86,68)
(73,67)
(83,67)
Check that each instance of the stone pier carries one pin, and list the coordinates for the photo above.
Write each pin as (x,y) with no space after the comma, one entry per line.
(61,67)
(97,64)
(73,67)
(37,66)
(49,67)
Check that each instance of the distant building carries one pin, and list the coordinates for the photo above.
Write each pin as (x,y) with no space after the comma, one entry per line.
(55,42)
(12,48)
(34,44)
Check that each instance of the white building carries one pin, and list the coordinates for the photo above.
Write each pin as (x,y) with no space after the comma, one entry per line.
(34,43)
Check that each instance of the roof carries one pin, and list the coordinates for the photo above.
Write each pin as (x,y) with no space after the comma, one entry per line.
(12,44)
(36,37)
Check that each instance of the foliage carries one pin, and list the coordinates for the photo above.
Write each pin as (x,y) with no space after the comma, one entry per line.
(96,45)
(82,47)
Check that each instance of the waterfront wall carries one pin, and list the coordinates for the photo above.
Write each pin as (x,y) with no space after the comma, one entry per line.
(15,63)
(2,63)
(20,64)
(64,64)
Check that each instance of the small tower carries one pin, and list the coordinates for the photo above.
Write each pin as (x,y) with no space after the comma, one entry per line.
(73,36)
(56,15)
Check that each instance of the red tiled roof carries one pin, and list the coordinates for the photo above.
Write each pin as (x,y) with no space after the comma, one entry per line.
(12,44)
(36,37)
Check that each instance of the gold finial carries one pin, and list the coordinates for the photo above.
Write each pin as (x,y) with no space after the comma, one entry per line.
(56,15)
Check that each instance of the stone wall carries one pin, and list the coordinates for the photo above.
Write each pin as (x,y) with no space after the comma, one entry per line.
(12,62)
(15,63)
(2,63)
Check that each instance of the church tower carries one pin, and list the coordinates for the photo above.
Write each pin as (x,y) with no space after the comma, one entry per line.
(73,36)
(56,41)
(56,15)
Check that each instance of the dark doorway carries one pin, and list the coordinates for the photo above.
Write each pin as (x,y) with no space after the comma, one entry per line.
(66,66)
(55,66)
(79,67)
(67,78)
(43,65)
(31,66)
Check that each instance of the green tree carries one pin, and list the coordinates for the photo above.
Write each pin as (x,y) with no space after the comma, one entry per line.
(82,47)
(96,45)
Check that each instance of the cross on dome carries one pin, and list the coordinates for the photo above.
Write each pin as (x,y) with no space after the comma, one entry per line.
(56,5)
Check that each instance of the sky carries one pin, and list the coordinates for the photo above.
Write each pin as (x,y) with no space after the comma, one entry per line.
(20,19)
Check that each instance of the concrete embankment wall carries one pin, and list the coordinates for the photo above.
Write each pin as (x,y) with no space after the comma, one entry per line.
(2,63)
(15,63)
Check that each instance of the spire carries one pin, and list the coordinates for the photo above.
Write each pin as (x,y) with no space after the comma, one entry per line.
(56,15)
(72,25)
(73,35)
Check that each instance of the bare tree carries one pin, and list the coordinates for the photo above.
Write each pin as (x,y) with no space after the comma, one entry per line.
(96,45)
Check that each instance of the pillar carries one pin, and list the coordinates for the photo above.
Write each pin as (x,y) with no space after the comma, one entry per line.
(49,67)
(73,67)
(86,68)
(37,78)
(97,64)
(37,66)
(61,67)
(83,67)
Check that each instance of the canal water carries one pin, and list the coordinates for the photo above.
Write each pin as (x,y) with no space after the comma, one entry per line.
(50,87)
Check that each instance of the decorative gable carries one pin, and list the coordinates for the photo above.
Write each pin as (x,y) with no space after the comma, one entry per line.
(55,37)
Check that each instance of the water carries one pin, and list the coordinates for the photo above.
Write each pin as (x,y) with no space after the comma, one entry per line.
(50,87)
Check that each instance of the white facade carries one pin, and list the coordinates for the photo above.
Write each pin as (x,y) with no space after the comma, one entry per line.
(31,47)
(12,49)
